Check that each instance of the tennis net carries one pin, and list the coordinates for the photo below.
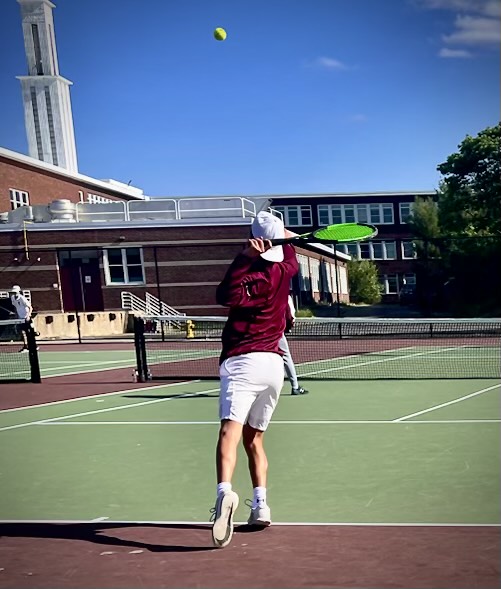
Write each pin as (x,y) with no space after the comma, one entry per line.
(169,347)
(15,365)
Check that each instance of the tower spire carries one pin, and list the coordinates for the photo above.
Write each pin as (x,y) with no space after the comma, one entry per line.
(46,94)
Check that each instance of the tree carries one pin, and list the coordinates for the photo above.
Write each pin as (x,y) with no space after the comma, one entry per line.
(469,199)
(363,282)
(458,242)
(424,224)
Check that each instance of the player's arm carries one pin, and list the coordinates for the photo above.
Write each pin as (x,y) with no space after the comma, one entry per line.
(241,287)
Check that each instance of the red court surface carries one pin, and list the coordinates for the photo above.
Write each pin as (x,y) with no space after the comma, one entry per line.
(153,555)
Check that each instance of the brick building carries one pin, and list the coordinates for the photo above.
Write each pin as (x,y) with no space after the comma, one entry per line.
(85,256)
(392,251)
(25,181)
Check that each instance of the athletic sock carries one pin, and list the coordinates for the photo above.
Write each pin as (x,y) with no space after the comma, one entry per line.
(223,488)
(259,497)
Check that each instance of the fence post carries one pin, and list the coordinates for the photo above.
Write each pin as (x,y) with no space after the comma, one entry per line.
(338,305)
(33,353)
(159,291)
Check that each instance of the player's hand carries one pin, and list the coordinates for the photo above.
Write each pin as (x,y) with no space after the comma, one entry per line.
(256,247)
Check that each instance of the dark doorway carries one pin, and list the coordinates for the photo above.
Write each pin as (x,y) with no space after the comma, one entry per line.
(81,280)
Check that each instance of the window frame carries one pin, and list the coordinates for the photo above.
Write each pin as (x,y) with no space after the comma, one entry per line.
(96,199)
(126,281)
(401,216)
(299,210)
(386,282)
(19,198)
(355,210)
(402,249)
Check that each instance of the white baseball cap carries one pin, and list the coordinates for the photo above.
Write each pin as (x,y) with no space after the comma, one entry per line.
(15,288)
(267,226)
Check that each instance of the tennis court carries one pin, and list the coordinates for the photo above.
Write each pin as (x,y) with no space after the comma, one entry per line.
(373,482)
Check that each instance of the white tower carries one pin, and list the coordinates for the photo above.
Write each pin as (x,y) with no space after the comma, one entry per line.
(46,95)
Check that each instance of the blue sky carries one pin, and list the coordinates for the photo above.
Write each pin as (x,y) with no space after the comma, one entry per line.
(303,96)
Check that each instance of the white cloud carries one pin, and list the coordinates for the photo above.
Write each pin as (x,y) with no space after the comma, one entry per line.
(327,63)
(491,8)
(471,30)
(476,24)
(454,53)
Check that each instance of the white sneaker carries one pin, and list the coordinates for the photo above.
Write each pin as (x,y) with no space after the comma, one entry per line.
(260,516)
(222,530)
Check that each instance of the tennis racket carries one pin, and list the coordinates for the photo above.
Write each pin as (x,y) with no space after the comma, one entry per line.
(341,233)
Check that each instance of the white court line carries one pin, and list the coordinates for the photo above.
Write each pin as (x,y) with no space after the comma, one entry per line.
(208,524)
(113,393)
(276,422)
(106,410)
(448,403)
(392,359)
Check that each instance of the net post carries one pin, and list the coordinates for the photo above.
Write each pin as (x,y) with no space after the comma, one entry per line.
(33,353)
(139,346)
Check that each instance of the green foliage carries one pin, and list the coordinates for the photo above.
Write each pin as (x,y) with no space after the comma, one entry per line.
(363,282)
(469,199)
(424,223)
(458,241)
(305,312)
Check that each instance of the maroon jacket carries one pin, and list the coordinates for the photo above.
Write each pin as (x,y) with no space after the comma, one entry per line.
(256,292)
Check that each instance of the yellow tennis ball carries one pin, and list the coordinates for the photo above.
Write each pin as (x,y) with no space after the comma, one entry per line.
(220,34)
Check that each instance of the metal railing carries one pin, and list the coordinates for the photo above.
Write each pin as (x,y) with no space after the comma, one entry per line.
(151,305)
(166,209)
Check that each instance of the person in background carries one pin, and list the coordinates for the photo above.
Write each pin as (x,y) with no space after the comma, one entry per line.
(23,310)
(283,344)
(255,288)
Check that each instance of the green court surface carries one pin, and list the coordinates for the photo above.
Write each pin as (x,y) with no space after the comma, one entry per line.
(349,452)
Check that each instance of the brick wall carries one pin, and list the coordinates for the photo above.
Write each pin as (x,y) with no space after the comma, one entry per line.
(44,186)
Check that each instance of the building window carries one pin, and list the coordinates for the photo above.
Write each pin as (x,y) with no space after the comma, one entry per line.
(371,250)
(377,250)
(37,50)
(124,265)
(377,214)
(50,120)
(365,251)
(295,215)
(408,250)
(390,250)
(389,282)
(408,279)
(388,214)
(349,214)
(330,214)
(96,199)
(18,198)
(36,122)
(405,211)
(362,214)
(304,273)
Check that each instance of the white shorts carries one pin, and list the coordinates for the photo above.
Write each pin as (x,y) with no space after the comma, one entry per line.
(250,388)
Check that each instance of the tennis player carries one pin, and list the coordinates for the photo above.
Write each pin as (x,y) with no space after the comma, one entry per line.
(256,290)
(283,344)
(23,310)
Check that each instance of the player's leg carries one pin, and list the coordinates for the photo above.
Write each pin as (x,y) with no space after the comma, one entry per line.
(272,379)
(235,400)
(258,468)
(290,368)
(24,329)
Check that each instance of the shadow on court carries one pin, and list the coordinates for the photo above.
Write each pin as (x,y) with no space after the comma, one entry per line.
(97,533)
(120,555)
